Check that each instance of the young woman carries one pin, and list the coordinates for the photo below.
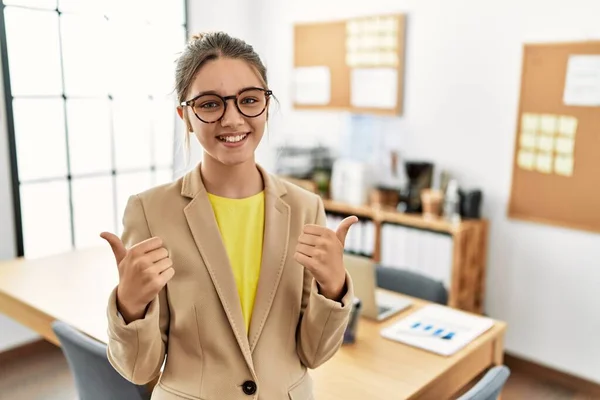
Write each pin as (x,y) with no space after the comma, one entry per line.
(229,272)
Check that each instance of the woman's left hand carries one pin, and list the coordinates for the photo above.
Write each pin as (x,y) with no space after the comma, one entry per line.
(321,251)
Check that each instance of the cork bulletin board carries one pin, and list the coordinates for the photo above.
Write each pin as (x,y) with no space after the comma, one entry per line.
(556,165)
(353,65)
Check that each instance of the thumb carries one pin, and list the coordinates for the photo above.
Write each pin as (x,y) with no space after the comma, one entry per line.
(116,245)
(343,228)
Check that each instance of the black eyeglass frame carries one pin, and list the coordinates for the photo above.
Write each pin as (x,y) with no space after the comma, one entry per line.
(268,93)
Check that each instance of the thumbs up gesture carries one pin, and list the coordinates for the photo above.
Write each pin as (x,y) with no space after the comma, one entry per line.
(321,251)
(144,270)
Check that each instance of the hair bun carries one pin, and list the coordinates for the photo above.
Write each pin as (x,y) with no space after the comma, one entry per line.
(197,36)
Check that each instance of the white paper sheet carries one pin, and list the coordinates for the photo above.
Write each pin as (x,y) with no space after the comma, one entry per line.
(438,329)
(312,85)
(374,87)
(582,86)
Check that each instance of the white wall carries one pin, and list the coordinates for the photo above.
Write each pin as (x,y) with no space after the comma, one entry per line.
(462,87)
(242,19)
(11,333)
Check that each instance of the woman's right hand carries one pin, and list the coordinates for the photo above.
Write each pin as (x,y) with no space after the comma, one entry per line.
(144,270)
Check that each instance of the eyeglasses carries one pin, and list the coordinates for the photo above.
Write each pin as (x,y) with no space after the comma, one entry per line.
(210,108)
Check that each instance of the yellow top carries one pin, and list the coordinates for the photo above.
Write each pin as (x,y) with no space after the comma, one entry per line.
(242,222)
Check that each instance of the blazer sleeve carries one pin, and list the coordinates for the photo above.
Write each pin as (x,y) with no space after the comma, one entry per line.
(322,321)
(137,350)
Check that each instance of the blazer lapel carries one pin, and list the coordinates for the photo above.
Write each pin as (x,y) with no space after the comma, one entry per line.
(205,231)
(275,248)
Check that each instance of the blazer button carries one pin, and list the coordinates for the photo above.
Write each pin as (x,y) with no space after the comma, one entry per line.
(249,387)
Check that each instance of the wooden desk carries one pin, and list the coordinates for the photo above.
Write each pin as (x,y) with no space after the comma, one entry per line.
(74,288)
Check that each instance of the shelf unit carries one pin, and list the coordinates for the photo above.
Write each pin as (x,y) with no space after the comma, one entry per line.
(469,245)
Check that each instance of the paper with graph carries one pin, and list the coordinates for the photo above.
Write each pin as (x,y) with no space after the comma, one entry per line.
(438,329)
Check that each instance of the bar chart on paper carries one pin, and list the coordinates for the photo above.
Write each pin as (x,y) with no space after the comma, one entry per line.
(438,329)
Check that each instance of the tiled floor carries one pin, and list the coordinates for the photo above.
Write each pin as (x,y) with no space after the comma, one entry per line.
(45,376)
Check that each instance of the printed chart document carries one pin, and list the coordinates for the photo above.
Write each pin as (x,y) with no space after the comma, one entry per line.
(582,86)
(438,329)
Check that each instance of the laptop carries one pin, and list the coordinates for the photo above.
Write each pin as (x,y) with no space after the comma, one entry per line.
(376,305)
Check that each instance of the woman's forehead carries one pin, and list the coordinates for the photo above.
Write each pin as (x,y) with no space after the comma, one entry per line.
(225,76)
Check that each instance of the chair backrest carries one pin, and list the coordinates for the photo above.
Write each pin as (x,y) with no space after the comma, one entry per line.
(95,378)
(411,284)
(490,386)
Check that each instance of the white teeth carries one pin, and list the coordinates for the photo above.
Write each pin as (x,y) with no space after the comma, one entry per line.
(233,139)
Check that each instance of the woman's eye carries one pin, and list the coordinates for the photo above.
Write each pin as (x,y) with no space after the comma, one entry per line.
(249,100)
(210,104)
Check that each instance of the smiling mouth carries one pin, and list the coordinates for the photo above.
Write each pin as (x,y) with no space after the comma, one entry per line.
(233,138)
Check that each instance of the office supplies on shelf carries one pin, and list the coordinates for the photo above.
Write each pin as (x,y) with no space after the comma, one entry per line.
(438,329)
(375,305)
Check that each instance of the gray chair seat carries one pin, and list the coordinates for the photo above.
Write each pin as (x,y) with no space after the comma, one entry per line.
(411,284)
(95,378)
(490,386)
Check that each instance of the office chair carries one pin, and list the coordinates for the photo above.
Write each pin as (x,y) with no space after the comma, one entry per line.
(411,284)
(95,378)
(490,386)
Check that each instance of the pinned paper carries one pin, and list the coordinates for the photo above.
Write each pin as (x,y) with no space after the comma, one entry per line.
(312,86)
(530,123)
(374,87)
(582,85)
(372,42)
(545,143)
(567,126)
(543,163)
(565,146)
(563,165)
(548,124)
(528,140)
(526,159)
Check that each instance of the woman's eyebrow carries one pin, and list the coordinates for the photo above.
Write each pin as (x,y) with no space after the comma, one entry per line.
(215,92)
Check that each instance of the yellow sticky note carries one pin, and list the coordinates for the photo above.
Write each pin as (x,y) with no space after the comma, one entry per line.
(545,143)
(526,159)
(548,124)
(530,122)
(528,140)
(567,126)
(543,162)
(565,145)
(563,165)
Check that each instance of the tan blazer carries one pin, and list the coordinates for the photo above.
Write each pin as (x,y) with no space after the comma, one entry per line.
(196,320)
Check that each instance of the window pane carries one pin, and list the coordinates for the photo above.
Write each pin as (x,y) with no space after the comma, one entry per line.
(163,176)
(84,51)
(128,185)
(82,6)
(89,136)
(163,127)
(33,52)
(46,4)
(129,55)
(132,133)
(40,135)
(46,218)
(93,209)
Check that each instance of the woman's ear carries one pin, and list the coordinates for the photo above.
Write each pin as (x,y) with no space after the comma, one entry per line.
(184,118)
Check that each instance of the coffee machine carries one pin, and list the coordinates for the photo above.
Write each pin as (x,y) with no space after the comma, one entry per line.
(420,176)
